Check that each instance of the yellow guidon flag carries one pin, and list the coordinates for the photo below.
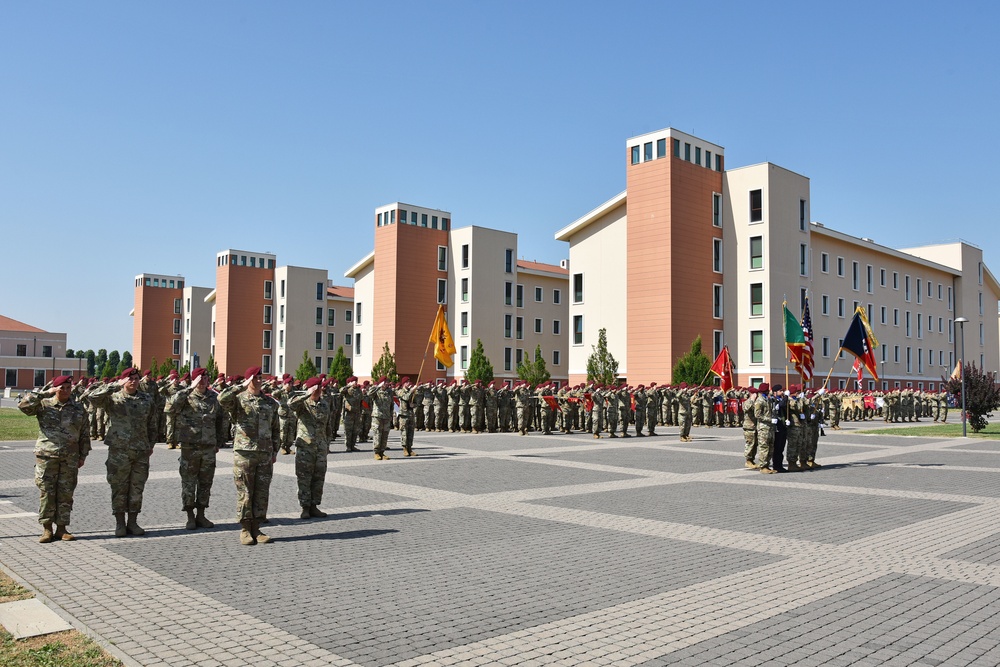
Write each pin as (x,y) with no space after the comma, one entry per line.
(444,344)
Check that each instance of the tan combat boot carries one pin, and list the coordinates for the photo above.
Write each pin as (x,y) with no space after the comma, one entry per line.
(46,534)
(201,520)
(259,536)
(120,530)
(63,534)
(132,526)
(191,523)
(246,535)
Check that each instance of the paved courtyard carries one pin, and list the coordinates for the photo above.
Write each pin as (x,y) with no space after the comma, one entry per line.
(510,550)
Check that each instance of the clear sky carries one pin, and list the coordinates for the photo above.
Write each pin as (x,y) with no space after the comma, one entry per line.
(145,137)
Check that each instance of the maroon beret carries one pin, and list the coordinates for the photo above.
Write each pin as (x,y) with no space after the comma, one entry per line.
(60,380)
(250,372)
(312,382)
(197,373)
(128,372)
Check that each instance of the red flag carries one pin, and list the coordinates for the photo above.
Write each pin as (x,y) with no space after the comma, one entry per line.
(723,367)
(858,369)
(588,401)
(805,364)
(551,400)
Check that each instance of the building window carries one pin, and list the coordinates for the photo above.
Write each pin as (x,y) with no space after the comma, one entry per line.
(319,363)
(331,317)
(267,339)
(871,279)
(949,299)
(907,324)
(577,288)
(756,252)
(442,290)
(508,355)
(556,296)
(507,325)
(840,307)
(802,215)
(177,306)
(319,316)
(803,259)
(909,360)
(319,340)
(826,346)
(320,292)
(825,304)
(519,356)
(840,267)
(465,290)
(881,277)
(756,347)
(22,350)
(465,256)
(508,261)
(717,342)
(578,329)
(883,313)
(177,327)
(268,289)
(697,155)
(756,300)
(267,315)
(281,314)
(647,151)
(717,301)
(717,255)
(442,258)
(906,287)
(538,295)
(331,341)
(538,325)
(177,346)
(895,317)
(465,322)
(508,293)
(716,209)
(519,328)
(855,276)
(635,154)
(661,148)
(348,315)
(520,296)
(39,377)
(920,325)
(47,351)
(920,294)
(824,262)
(347,340)
(556,327)
(281,339)
(282,291)
(555,357)
(687,151)
(464,355)
(756,205)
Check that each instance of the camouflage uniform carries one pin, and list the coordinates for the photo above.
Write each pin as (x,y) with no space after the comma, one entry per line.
(683,399)
(750,431)
(130,438)
(255,444)
(352,415)
(492,409)
(314,430)
(380,398)
(765,431)
(407,397)
(62,446)
(200,427)
(286,418)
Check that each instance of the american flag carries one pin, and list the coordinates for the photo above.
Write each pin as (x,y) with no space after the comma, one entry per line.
(805,367)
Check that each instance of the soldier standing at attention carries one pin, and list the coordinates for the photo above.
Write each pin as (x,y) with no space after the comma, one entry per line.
(765,428)
(314,428)
(750,429)
(255,449)
(380,396)
(352,412)
(407,396)
(62,447)
(200,427)
(286,418)
(684,412)
(130,439)
(652,409)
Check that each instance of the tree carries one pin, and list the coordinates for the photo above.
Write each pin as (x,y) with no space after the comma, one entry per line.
(69,353)
(186,368)
(693,367)
(601,364)
(340,367)
(111,367)
(307,369)
(534,372)
(480,367)
(154,368)
(210,369)
(101,361)
(385,366)
(80,354)
(91,363)
(126,362)
(982,395)
(167,366)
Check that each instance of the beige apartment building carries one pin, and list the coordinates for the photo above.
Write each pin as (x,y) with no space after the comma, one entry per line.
(30,357)
(511,305)
(722,251)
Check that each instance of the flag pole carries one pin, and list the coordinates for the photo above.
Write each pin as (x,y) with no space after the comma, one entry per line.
(831,367)
(428,347)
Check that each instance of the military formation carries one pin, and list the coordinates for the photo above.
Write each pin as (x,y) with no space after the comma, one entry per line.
(266,416)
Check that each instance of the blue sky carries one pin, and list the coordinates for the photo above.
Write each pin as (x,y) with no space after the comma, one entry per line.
(145,137)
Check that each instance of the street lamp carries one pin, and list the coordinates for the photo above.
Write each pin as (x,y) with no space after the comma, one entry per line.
(961,360)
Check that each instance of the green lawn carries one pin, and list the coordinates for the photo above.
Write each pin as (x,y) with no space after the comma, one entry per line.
(949,430)
(60,649)
(15,425)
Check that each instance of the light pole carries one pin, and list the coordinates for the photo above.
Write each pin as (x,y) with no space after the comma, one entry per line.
(961,360)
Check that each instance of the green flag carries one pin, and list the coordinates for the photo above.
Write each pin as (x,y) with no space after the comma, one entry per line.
(795,339)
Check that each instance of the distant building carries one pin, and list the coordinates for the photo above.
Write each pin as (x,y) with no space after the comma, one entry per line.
(157,319)
(30,357)
(693,249)
(420,262)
